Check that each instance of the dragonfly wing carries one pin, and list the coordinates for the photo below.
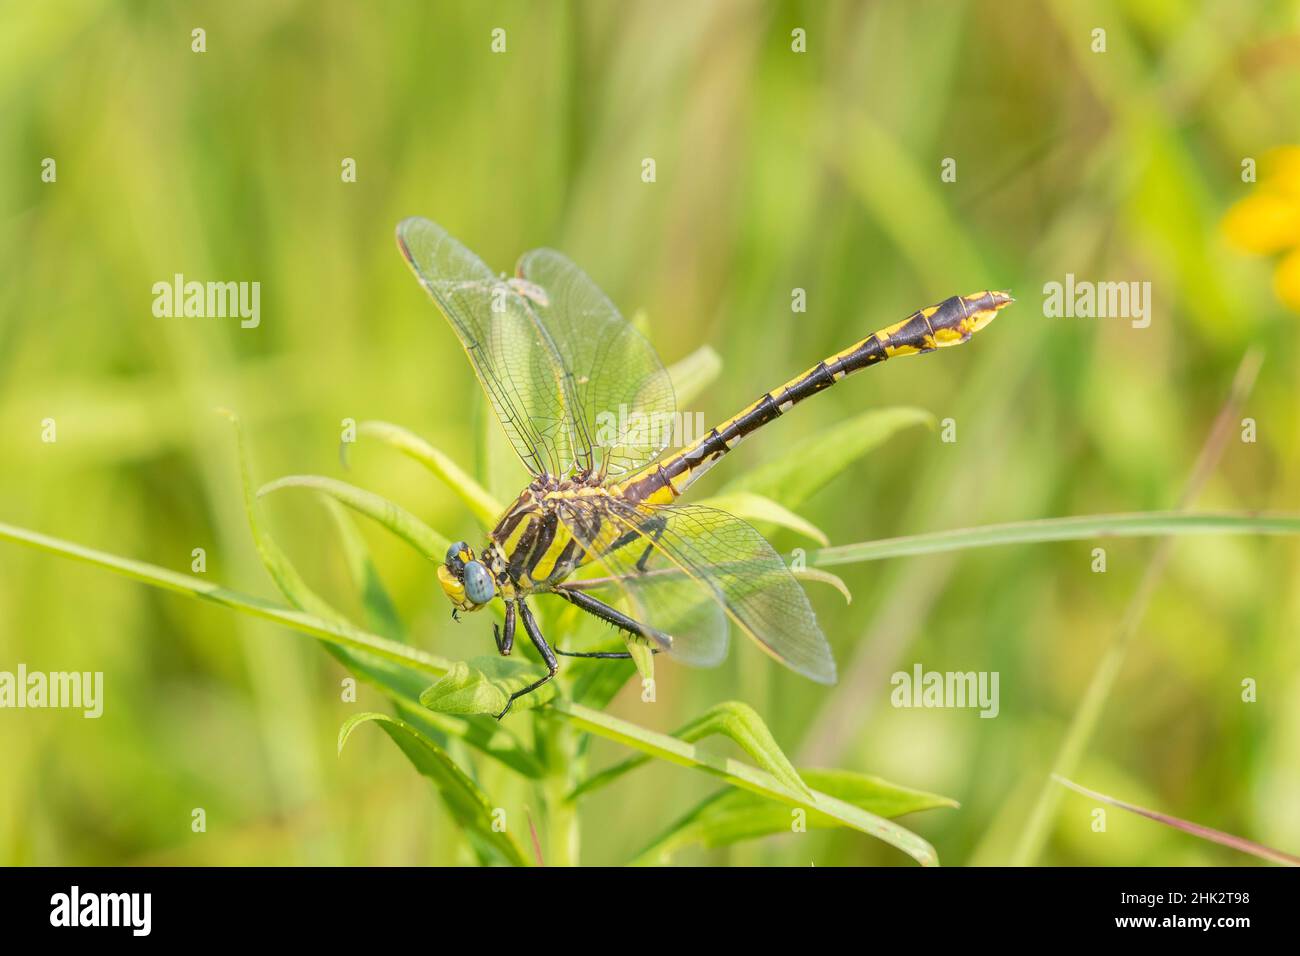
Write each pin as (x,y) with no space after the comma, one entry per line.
(708,556)
(621,397)
(688,625)
(514,358)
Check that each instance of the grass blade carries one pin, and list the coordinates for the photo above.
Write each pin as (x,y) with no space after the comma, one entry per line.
(1082,527)
(731,816)
(475,497)
(825,577)
(760,510)
(1195,829)
(466,802)
(387,513)
(276,562)
(380,613)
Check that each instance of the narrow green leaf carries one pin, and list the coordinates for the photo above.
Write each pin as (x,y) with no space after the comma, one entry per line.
(481,504)
(1077,528)
(381,614)
(468,804)
(813,461)
(276,562)
(484,734)
(759,509)
(378,671)
(694,373)
(643,656)
(745,777)
(730,816)
(825,577)
(731,719)
(484,685)
(387,513)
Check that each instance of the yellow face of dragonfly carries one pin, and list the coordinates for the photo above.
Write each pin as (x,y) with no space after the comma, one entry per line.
(467,583)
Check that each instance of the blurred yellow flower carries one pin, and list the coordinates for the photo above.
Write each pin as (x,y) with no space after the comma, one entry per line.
(1268,221)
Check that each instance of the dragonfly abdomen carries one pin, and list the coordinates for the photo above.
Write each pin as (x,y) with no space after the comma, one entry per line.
(951,322)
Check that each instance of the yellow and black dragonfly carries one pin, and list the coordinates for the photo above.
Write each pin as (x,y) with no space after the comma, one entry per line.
(589,407)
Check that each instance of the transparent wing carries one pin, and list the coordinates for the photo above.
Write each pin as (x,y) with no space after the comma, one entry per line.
(700,557)
(620,396)
(691,627)
(518,366)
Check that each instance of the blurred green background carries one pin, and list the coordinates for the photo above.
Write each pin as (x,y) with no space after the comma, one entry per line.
(775,170)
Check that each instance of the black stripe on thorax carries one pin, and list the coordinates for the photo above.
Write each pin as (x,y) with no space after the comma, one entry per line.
(525,505)
(545,536)
(518,558)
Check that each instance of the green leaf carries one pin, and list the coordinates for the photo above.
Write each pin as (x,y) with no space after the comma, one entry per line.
(296,591)
(484,507)
(484,734)
(643,656)
(693,374)
(825,577)
(731,719)
(813,461)
(468,804)
(387,513)
(484,686)
(744,777)
(276,562)
(730,816)
(381,615)
(1081,527)
(760,509)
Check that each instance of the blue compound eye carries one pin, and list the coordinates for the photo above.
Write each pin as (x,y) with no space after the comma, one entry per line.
(479,586)
(453,558)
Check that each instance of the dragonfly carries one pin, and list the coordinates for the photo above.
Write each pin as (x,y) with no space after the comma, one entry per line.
(578,391)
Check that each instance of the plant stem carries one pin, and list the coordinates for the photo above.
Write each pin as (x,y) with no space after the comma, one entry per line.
(563,834)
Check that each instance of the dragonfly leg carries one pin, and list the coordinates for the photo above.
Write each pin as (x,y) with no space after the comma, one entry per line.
(506,642)
(539,642)
(600,609)
(658,524)
(632,536)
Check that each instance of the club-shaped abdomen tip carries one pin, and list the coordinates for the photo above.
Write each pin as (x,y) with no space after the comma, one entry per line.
(988,301)
(982,308)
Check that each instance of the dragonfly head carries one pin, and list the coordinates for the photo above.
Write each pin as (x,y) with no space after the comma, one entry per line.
(467,583)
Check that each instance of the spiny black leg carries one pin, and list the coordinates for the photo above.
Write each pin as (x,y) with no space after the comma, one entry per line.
(628,537)
(539,642)
(506,643)
(602,655)
(598,608)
